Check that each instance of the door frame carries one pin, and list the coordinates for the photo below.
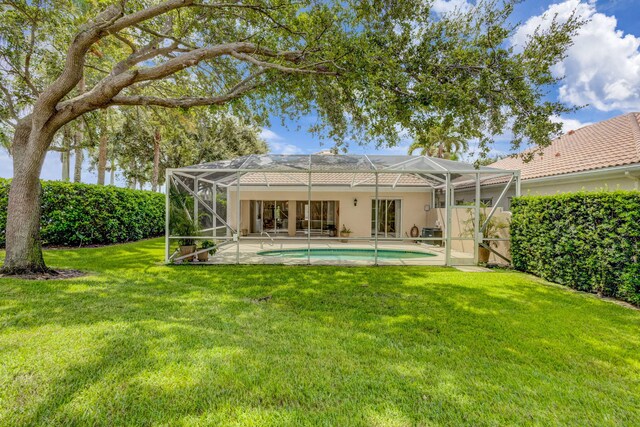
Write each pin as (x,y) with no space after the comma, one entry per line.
(398,217)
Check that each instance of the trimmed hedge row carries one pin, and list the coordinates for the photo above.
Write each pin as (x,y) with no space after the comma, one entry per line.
(587,241)
(82,214)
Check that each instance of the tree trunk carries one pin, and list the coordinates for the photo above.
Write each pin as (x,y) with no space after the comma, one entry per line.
(77,168)
(156,160)
(79,155)
(66,154)
(102,155)
(112,173)
(24,251)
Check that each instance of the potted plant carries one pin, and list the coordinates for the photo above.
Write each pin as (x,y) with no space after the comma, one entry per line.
(207,244)
(492,231)
(183,225)
(187,246)
(345,232)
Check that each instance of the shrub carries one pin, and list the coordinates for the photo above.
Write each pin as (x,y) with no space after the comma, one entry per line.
(588,241)
(82,214)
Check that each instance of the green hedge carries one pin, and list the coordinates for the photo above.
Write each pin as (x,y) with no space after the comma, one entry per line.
(82,214)
(588,241)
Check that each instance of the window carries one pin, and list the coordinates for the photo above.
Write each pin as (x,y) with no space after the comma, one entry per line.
(460,202)
(487,202)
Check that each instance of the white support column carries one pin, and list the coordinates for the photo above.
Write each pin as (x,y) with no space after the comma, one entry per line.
(375,234)
(214,203)
(518,190)
(238,217)
(477,233)
(228,216)
(447,229)
(167,216)
(309,221)
(196,207)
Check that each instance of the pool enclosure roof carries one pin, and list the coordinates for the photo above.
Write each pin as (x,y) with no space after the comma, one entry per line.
(210,187)
(283,169)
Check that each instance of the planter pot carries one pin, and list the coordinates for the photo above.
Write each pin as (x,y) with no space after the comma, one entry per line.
(186,250)
(483,255)
(203,256)
(344,235)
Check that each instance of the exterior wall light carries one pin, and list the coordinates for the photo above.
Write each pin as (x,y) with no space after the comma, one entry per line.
(355,202)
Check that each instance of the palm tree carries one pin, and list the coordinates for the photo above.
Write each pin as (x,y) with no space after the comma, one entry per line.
(441,142)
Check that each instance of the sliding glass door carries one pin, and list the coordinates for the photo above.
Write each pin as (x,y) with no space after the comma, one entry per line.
(322,214)
(389,214)
(275,216)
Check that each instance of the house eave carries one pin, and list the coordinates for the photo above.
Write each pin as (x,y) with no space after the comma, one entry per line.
(613,171)
(594,173)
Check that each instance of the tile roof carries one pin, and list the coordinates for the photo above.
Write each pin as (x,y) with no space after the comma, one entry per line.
(613,142)
(328,178)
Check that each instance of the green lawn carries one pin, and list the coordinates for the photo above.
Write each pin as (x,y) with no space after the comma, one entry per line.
(140,343)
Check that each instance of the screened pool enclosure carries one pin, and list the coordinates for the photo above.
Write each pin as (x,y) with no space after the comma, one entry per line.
(337,209)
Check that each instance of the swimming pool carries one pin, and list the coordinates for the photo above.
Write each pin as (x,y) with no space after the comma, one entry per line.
(346,254)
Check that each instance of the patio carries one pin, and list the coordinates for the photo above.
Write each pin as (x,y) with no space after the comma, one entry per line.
(331,203)
(251,252)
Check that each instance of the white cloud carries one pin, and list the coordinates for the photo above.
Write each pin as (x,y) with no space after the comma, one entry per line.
(569,124)
(277,144)
(602,67)
(283,148)
(448,6)
(401,149)
(269,135)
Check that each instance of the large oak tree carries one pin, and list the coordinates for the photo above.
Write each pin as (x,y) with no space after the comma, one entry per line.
(367,67)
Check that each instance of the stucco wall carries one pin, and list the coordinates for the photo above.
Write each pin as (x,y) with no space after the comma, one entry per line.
(618,183)
(596,181)
(459,218)
(561,184)
(357,218)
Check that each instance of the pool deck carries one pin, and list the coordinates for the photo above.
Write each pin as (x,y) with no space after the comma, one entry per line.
(247,253)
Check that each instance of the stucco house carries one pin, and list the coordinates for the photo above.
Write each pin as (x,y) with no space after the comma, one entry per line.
(603,155)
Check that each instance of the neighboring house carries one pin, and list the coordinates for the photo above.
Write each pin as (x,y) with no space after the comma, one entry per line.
(604,155)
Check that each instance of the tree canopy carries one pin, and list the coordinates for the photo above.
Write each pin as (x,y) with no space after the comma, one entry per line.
(364,67)
(369,69)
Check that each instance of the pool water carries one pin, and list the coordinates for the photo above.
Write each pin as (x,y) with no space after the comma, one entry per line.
(345,254)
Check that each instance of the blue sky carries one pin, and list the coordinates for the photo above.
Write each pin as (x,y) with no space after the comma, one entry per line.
(602,71)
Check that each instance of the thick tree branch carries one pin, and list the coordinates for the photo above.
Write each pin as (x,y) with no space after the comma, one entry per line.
(265,64)
(238,90)
(151,50)
(74,65)
(146,14)
(185,102)
(110,21)
(104,92)
(27,60)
